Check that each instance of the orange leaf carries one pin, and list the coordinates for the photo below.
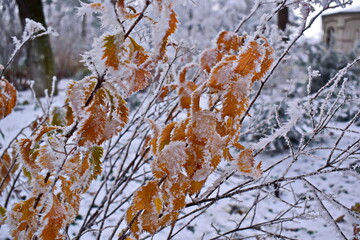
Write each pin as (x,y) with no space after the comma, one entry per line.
(228,41)
(8,98)
(111,52)
(54,221)
(186,88)
(144,200)
(122,8)
(92,127)
(173,21)
(78,94)
(23,219)
(209,58)
(165,91)
(246,163)
(26,154)
(164,138)
(5,175)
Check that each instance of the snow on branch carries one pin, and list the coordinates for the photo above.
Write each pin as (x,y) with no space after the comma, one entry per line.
(295,113)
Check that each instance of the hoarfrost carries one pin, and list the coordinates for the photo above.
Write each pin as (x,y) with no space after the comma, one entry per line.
(295,113)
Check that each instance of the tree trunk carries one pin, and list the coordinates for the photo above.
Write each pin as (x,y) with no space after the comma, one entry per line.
(283,18)
(40,59)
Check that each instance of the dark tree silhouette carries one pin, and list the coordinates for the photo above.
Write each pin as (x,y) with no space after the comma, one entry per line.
(40,60)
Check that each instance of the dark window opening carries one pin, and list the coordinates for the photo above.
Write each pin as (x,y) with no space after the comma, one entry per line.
(330,37)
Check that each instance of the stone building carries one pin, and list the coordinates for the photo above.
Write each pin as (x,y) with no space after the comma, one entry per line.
(342,29)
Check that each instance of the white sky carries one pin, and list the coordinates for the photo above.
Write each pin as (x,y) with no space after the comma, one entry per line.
(315,32)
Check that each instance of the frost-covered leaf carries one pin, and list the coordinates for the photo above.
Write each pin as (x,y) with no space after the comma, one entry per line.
(111,52)
(78,94)
(246,163)
(22,219)
(8,97)
(122,8)
(92,126)
(5,174)
(185,88)
(209,58)
(53,221)
(144,202)
(229,42)
(58,117)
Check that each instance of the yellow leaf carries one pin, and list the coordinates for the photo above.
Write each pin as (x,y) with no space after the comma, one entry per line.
(158,205)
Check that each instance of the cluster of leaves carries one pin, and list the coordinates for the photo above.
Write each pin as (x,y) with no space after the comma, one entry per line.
(63,155)
(187,152)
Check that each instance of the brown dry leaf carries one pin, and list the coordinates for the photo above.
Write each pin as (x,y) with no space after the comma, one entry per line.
(209,58)
(173,21)
(227,155)
(42,130)
(233,106)
(246,163)
(121,6)
(78,94)
(70,198)
(185,92)
(50,154)
(144,200)
(138,80)
(164,138)
(5,175)
(27,154)
(196,186)
(137,53)
(8,98)
(177,188)
(92,128)
(56,221)
(266,62)
(178,133)
(185,88)
(222,74)
(111,52)
(248,60)
(228,41)
(24,218)
(165,91)
(117,117)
